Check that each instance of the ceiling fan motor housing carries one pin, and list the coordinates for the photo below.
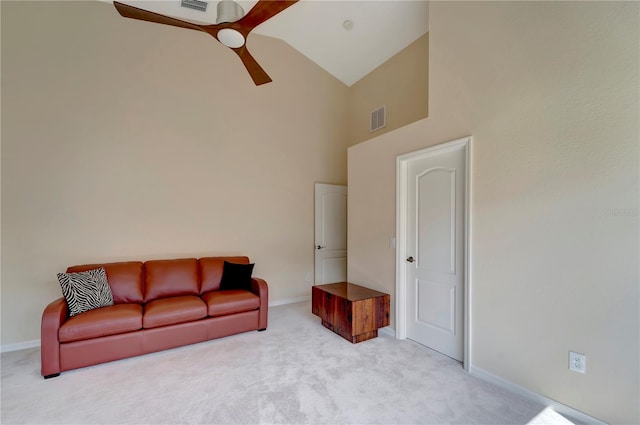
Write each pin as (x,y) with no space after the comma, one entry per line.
(229,11)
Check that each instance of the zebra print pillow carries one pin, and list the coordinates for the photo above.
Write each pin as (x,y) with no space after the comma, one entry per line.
(85,291)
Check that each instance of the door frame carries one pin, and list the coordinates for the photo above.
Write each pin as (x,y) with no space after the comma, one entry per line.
(402,187)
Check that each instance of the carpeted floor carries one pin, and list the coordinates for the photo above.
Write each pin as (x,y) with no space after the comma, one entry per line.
(296,372)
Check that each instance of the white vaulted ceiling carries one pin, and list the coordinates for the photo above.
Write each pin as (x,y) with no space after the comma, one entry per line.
(381,28)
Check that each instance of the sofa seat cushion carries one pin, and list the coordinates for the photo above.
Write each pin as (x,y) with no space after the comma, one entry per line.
(174,310)
(111,320)
(221,303)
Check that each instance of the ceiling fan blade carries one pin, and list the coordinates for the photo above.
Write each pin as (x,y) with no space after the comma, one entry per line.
(144,15)
(258,75)
(262,11)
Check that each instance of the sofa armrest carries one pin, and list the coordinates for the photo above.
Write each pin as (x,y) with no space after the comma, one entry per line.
(261,289)
(53,317)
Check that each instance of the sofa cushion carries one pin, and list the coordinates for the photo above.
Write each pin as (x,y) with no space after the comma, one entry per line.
(85,291)
(112,320)
(221,303)
(211,271)
(236,276)
(125,279)
(170,278)
(171,311)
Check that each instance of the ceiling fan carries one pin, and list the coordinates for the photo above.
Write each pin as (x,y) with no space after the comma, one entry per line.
(231,30)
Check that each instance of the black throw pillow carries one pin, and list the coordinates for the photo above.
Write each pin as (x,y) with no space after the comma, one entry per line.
(236,276)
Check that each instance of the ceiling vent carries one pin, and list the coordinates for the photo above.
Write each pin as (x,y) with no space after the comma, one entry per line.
(378,119)
(195,5)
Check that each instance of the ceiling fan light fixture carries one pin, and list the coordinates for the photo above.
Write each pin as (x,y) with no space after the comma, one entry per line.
(228,11)
(230,38)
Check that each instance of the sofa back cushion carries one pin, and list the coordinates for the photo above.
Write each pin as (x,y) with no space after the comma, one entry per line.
(211,271)
(125,279)
(170,278)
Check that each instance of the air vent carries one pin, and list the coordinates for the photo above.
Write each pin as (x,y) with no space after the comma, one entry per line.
(378,119)
(195,5)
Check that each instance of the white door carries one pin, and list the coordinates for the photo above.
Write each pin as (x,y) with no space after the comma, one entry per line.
(435,263)
(330,233)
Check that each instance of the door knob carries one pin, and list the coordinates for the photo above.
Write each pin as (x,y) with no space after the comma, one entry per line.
(410,260)
(319,247)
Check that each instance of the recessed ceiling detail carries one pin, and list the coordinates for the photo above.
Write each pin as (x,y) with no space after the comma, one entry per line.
(381,29)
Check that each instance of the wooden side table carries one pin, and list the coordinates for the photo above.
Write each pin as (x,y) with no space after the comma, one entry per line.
(352,311)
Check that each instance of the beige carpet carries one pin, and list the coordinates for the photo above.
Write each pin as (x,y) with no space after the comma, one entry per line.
(296,372)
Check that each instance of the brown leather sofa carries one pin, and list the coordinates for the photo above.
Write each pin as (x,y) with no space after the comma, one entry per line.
(158,304)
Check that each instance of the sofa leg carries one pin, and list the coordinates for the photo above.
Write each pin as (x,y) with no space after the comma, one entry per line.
(263,329)
(53,375)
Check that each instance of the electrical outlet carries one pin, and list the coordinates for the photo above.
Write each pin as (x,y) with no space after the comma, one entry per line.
(577,362)
(307,278)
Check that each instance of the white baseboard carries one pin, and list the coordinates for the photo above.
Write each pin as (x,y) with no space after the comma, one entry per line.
(289,301)
(19,346)
(558,407)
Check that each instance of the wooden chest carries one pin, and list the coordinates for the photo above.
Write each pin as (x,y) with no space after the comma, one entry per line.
(352,311)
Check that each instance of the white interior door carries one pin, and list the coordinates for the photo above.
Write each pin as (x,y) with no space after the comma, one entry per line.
(435,263)
(330,233)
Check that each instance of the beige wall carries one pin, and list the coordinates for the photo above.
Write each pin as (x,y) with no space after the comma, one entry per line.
(400,84)
(127,140)
(549,92)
